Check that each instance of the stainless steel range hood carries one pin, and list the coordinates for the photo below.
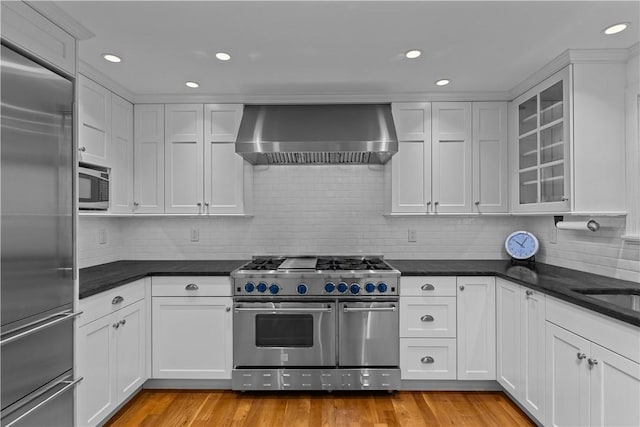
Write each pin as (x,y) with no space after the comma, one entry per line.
(317,134)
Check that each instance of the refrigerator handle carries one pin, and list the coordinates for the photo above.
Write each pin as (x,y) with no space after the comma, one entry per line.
(67,385)
(57,318)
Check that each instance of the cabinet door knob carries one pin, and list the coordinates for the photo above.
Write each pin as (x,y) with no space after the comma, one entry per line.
(191,287)
(428,287)
(529,292)
(427,318)
(136,204)
(227,309)
(581,356)
(564,199)
(462,287)
(198,204)
(429,203)
(427,359)
(477,202)
(122,322)
(116,325)
(117,300)
(82,149)
(436,203)
(592,362)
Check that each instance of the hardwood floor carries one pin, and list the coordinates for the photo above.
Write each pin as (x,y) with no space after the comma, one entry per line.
(200,408)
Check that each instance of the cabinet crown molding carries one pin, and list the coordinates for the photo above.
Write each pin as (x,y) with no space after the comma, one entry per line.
(62,19)
(573,56)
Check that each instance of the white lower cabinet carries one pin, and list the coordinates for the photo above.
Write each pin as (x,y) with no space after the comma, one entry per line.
(521,345)
(476,320)
(588,384)
(192,330)
(111,351)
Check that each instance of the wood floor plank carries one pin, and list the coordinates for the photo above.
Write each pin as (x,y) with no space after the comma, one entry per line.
(222,408)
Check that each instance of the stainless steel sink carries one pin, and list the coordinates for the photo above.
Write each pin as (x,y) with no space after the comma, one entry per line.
(623,298)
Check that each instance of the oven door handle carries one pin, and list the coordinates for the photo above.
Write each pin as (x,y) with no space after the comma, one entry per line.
(287,310)
(365,309)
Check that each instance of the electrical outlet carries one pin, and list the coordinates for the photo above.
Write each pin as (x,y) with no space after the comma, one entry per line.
(412,236)
(195,235)
(102,236)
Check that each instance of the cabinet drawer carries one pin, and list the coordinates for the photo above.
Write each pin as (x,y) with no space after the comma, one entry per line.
(191,286)
(100,305)
(428,286)
(428,358)
(423,317)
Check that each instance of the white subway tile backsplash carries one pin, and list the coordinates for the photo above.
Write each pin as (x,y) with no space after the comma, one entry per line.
(339,210)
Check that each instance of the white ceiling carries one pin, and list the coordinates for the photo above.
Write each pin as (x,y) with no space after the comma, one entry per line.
(306,48)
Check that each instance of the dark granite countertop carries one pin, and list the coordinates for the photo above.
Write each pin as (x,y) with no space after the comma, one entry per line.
(552,280)
(100,278)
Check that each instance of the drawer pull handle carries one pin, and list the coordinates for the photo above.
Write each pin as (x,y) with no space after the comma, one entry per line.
(428,287)
(117,300)
(191,287)
(427,318)
(427,359)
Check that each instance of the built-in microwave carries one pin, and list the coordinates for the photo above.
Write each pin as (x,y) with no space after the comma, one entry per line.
(93,187)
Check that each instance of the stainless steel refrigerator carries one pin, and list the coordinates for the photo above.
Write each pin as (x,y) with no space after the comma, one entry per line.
(36,288)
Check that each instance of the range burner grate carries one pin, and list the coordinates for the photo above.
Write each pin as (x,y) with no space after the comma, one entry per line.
(262,264)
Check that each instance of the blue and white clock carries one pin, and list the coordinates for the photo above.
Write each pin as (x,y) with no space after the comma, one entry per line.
(521,246)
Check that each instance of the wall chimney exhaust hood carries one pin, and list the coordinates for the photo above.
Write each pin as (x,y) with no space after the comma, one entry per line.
(317,134)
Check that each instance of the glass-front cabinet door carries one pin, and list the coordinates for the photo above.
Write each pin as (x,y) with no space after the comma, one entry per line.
(542,131)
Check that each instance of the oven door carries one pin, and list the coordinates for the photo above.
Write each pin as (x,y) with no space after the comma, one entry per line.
(284,334)
(369,334)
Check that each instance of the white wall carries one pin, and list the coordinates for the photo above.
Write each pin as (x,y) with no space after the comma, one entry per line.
(339,210)
(301,210)
(602,252)
(90,250)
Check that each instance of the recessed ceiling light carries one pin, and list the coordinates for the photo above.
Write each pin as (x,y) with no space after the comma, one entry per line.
(111,57)
(192,84)
(443,82)
(222,56)
(413,54)
(616,28)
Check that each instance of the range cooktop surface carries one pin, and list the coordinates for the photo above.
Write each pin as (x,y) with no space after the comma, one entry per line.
(268,276)
(313,263)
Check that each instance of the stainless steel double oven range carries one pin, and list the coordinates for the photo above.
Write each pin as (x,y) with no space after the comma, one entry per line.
(316,323)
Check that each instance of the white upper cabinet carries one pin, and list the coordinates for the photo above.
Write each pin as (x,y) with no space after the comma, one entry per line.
(149,158)
(184,173)
(490,159)
(120,155)
(94,122)
(28,29)
(411,165)
(227,176)
(568,142)
(451,163)
(203,174)
(452,158)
